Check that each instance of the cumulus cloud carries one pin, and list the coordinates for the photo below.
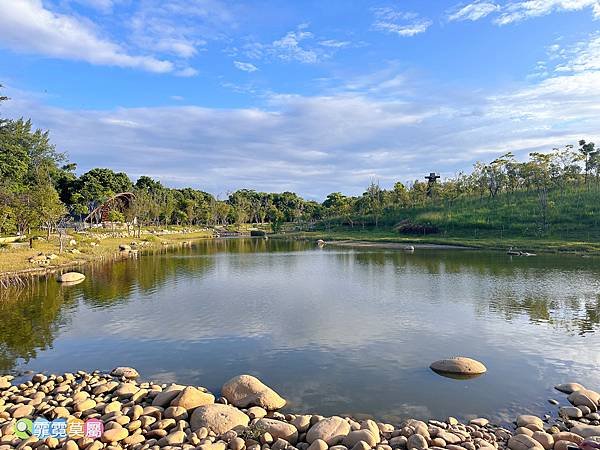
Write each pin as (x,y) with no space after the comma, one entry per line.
(402,23)
(244,66)
(29,27)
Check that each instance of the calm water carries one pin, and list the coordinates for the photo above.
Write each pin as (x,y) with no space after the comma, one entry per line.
(334,330)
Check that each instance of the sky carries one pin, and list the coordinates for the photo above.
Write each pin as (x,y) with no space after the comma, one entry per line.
(308,96)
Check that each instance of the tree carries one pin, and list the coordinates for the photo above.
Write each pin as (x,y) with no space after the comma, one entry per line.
(587,150)
(98,185)
(47,205)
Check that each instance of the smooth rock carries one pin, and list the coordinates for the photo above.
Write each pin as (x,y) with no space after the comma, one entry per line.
(416,441)
(114,435)
(126,390)
(256,412)
(568,388)
(218,418)
(545,439)
(586,431)
(279,429)
(164,398)
(361,445)
(480,422)
(527,419)
(245,390)
(331,430)
(523,442)
(459,365)
(301,422)
(571,412)
(567,436)
(190,398)
(318,444)
(354,437)
(127,372)
(71,277)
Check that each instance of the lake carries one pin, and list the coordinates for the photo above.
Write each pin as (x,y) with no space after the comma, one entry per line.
(334,330)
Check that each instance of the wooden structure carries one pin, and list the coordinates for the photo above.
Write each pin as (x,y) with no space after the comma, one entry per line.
(119,202)
(431,180)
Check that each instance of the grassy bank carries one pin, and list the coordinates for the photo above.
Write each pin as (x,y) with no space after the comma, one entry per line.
(90,247)
(567,220)
(490,243)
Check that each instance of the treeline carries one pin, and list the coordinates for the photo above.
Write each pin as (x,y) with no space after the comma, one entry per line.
(39,189)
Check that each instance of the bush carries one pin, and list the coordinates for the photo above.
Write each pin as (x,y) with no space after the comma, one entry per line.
(258,233)
(408,227)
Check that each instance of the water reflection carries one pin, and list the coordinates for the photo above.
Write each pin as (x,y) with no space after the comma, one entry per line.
(336,330)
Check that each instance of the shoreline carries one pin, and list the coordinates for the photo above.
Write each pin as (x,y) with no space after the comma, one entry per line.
(397,245)
(146,415)
(385,238)
(107,249)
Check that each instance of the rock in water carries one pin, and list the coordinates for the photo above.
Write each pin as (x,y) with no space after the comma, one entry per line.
(459,365)
(245,390)
(127,372)
(569,388)
(218,418)
(71,277)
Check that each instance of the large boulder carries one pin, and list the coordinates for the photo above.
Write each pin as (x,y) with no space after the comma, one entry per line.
(332,430)
(71,277)
(218,418)
(279,429)
(459,365)
(191,398)
(245,390)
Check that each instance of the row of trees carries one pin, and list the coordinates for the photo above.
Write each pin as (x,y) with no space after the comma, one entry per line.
(39,187)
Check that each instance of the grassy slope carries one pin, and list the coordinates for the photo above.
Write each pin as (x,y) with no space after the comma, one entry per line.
(573,223)
(17,259)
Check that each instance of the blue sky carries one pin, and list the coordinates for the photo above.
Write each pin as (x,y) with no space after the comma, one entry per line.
(310,96)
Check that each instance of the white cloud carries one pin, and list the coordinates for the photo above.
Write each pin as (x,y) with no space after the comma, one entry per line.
(405,24)
(28,27)
(521,10)
(246,67)
(187,72)
(319,144)
(335,44)
(474,11)
(289,47)
(518,11)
